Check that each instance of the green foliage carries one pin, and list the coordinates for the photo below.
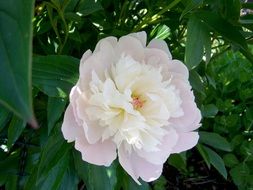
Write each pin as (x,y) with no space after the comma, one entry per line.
(15,59)
(214,37)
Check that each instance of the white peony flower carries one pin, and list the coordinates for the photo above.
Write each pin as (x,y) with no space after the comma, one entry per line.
(132,101)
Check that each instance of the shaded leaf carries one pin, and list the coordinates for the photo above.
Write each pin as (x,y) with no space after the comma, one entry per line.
(86,7)
(197,35)
(54,157)
(216,161)
(55,75)
(209,110)
(15,129)
(223,27)
(87,172)
(214,140)
(15,59)
(55,108)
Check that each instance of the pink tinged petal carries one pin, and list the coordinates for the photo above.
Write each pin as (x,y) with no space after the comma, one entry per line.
(99,62)
(177,67)
(190,120)
(111,40)
(160,44)
(186,141)
(100,153)
(184,89)
(142,36)
(70,128)
(125,161)
(147,171)
(131,46)
(165,148)
(137,167)
(93,130)
(74,94)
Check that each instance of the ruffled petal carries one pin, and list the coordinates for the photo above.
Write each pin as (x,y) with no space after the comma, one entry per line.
(142,36)
(190,120)
(100,153)
(160,44)
(186,141)
(137,167)
(165,148)
(129,45)
(99,62)
(70,127)
(93,130)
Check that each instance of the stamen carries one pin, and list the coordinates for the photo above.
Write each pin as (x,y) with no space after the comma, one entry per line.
(137,102)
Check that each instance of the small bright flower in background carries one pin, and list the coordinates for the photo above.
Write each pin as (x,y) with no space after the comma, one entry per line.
(133,101)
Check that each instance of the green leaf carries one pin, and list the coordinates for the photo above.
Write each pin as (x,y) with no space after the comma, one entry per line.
(94,177)
(197,35)
(55,75)
(177,161)
(86,7)
(230,160)
(55,108)
(214,140)
(15,59)
(209,110)
(223,27)
(240,175)
(4,117)
(55,152)
(196,81)
(15,129)
(204,155)
(55,176)
(216,161)
(191,4)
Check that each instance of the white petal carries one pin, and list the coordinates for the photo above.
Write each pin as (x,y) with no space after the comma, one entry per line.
(142,36)
(100,153)
(160,44)
(186,141)
(70,128)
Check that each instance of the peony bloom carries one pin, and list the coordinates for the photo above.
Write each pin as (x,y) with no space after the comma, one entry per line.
(133,101)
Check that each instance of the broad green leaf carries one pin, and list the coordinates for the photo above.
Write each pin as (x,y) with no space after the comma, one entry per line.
(191,4)
(231,10)
(55,75)
(204,155)
(216,161)
(55,151)
(230,160)
(240,175)
(86,7)
(55,176)
(15,57)
(214,140)
(70,180)
(4,117)
(223,27)
(209,110)
(197,35)
(94,177)
(177,161)
(196,81)
(15,129)
(55,107)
